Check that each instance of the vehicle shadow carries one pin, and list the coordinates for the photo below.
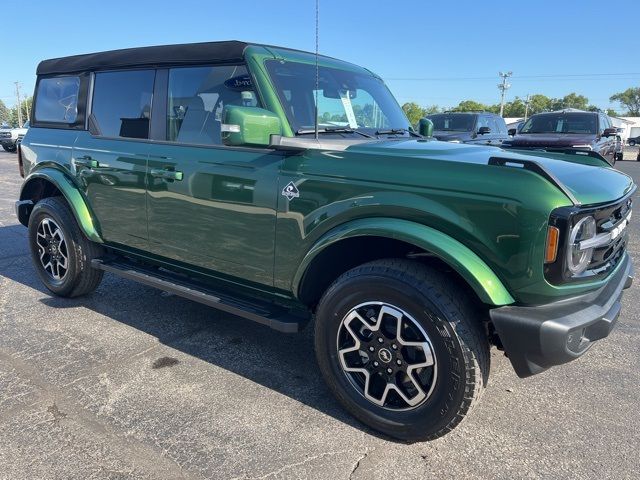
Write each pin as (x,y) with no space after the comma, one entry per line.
(281,362)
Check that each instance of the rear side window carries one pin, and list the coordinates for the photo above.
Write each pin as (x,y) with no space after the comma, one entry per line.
(122,104)
(197,96)
(57,100)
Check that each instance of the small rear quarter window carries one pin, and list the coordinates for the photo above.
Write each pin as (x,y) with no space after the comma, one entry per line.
(57,100)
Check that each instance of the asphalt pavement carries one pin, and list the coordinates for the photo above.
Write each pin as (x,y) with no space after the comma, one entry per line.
(133,383)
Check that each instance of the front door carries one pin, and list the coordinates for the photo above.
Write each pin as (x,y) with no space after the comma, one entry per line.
(208,205)
(110,160)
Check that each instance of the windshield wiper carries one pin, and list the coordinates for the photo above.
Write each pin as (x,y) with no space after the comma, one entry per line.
(395,131)
(309,131)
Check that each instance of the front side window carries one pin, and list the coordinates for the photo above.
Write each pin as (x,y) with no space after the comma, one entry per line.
(197,97)
(122,103)
(57,100)
(346,99)
(561,123)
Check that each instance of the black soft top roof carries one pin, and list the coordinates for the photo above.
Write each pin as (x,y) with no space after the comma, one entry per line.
(189,53)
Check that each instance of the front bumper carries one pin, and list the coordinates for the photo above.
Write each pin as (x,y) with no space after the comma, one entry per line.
(536,338)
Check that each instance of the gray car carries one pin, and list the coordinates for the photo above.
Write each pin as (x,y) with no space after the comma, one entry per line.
(482,128)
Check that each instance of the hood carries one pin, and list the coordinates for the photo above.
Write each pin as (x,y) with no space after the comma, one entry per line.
(560,140)
(591,181)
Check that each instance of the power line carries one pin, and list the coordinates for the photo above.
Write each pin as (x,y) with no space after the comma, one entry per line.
(549,76)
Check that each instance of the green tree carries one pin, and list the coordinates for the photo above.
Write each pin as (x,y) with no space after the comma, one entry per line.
(612,113)
(629,99)
(4,113)
(539,103)
(413,111)
(470,106)
(515,108)
(25,107)
(572,100)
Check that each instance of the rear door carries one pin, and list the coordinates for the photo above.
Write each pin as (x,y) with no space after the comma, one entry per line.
(110,160)
(210,206)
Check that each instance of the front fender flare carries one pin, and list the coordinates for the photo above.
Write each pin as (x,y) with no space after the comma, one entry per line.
(459,257)
(74,198)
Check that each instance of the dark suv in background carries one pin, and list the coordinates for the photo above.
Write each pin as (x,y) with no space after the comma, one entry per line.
(481,128)
(590,131)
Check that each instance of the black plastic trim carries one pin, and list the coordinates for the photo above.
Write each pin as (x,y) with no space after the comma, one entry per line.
(272,315)
(536,338)
(23,211)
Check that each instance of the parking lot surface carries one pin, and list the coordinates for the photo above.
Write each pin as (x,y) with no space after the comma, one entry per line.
(133,383)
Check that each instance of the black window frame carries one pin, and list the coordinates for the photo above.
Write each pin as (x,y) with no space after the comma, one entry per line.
(83,93)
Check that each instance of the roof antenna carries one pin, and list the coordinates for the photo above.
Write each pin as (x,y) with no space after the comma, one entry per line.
(317,73)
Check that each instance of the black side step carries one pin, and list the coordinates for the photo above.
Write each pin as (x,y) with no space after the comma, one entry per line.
(270,314)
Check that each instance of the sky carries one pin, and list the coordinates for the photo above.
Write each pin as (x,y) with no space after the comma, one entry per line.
(428,52)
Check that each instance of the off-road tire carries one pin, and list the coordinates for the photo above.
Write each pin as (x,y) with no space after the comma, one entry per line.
(80,278)
(449,317)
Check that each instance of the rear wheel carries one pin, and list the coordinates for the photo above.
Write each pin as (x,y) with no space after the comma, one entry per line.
(401,348)
(61,253)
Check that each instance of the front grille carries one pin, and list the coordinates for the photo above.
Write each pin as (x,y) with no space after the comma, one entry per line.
(606,257)
(20,136)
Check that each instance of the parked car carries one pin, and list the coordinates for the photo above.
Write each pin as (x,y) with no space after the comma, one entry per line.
(10,137)
(412,255)
(590,131)
(481,128)
(632,142)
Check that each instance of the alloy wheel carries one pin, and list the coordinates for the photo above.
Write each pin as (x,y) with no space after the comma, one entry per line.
(52,249)
(387,356)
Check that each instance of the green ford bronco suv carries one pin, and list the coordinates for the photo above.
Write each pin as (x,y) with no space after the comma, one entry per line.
(239,176)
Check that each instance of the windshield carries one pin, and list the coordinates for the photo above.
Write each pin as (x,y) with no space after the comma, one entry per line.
(351,100)
(452,122)
(561,123)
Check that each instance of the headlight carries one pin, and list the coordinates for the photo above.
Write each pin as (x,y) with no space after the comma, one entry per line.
(583,145)
(454,141)
(578,260)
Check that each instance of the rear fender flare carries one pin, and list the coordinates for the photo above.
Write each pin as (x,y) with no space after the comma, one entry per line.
(74,197)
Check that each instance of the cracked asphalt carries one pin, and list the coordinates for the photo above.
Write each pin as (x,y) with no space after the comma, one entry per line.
(133,383)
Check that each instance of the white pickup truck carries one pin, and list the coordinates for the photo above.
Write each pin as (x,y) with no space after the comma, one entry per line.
(9,137)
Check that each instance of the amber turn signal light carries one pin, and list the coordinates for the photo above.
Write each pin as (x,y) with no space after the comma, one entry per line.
(551,250)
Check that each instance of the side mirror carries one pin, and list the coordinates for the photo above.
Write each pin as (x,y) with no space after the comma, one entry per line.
(609,132)
(484,130)
(248,126)
(512,131)
(425,127)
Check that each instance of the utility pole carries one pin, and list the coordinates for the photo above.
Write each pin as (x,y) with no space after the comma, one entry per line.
(526,108)
(503,87)
(18,104)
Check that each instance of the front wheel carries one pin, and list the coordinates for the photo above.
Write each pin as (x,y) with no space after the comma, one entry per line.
(9,148)
(61,253)
(401,348)
(632,143)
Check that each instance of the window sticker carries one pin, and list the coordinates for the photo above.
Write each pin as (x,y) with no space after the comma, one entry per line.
(348,108)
